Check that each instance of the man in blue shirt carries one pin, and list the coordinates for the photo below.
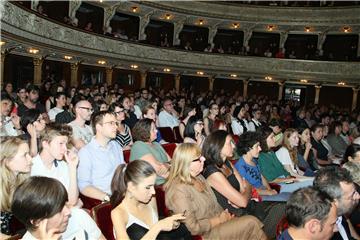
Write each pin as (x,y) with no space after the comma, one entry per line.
(311,215)
(99,158)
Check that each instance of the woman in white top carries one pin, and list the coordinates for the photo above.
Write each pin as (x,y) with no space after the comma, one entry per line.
(239,124)
(287,154)
(135,213)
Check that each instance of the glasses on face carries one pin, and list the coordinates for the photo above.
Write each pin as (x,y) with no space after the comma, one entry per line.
(112,123)
(118,112)
(199,159)
(88,109)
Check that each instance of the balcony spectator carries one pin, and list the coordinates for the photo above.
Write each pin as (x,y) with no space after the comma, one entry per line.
(292,54)
(108,31)
(164,42)
(40,9)
(88,27)
(280,53)
(208,48)
(188,46)
(121,34)
(220,49)
(268,53)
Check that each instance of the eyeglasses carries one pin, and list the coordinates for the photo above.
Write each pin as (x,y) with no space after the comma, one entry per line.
(112,123)
(199,159)
(88,109)
(118,112)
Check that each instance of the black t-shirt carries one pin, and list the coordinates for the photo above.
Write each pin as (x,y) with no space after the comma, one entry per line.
(22,109)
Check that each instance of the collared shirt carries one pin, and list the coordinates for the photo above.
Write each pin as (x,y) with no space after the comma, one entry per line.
(97,164)
(167,120)
(253,125)
(8,128)
(341,228)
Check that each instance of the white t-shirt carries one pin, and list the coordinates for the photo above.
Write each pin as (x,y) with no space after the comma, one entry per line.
(83,133)
(284,156)
(79,223)
(59,172)
(53,112)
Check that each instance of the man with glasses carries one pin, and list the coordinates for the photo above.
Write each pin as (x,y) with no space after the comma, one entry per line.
(82,133)
(143,101)
(168,117)
(338,184)
(99,158)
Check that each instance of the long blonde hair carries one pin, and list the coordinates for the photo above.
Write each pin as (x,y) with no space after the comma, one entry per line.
(9,181)
(286,143)
(180,165)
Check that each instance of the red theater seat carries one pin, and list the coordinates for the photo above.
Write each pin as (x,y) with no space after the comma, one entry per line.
(89,202)
(167,134)
(177,134)
(169,148)
(163,211)
(281,226)
(126,155)
(102,216)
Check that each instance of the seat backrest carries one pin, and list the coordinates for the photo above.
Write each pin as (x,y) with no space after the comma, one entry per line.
(89,202)
(169,148)
(167,134)
(177,134)
(163,211)
(126,155)
(281,226)
(102,216)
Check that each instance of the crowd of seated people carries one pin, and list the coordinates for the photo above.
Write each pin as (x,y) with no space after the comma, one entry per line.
(272,50)
(236,163)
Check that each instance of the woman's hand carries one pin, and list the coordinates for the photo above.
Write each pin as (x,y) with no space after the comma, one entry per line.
(51,234)
(225,216)
(170,223)
(308,146)
(31,130)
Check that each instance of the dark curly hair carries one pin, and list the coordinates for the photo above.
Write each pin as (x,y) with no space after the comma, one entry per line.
(246,141)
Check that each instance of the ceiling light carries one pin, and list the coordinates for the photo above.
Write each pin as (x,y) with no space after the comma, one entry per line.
(236,25)
(134,9)
(270,27)
(101,1)
(167,16)
(166,70)
(307,29)
(134,66)
(33,50)
(303,80)
(341,83)
(68,57)
(201,22)
(2,43)
(268,78)
(200,73)
(102,62)
(346,29)
(233,75)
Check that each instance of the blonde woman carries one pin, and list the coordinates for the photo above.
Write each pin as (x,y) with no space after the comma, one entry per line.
(187,192)
(14,168)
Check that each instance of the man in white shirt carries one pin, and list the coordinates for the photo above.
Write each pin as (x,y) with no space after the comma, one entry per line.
(82,133)
(168,117)
(255,123)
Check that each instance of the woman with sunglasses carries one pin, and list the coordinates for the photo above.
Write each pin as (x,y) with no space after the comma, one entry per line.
(193,132)
(123,135)
(188,192)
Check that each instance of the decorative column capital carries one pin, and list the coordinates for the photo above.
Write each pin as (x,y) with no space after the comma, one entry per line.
(38,61)
(281,83)
(318,86)
(356,89)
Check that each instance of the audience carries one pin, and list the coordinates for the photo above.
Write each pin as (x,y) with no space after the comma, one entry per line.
(168,117)
(123,135)
(15,167)
(99,158)
(134,214)
(233,192)
(311,215)
(210,118)
(194,131)
(188,192)
(40,203)
(338,184)
(146,148)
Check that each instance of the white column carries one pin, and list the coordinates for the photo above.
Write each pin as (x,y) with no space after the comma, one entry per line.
(144,21)
(212,34)
(211,83)
(109,13)
(178,26)
(283,38)
(177,82)
(73,7)
(143,76)
(245,89)
(247,35)
(281,90)
(354,99)
(317,94)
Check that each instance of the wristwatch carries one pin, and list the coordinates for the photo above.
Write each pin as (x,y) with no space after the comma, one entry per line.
(106,198)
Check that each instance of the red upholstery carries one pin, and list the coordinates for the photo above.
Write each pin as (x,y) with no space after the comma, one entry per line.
(177,135)
(89,202)
(126,155)
(102,216)
(169,148)
(236,138)
(167,134)
(163,211)
(196,237)
(275,186)
(281,226)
